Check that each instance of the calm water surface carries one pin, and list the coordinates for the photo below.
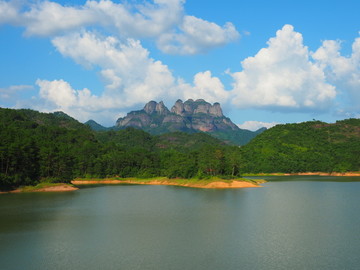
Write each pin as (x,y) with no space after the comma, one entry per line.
(284,225)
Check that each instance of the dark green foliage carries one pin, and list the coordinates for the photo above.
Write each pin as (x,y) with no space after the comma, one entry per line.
(236,137)
(37,147)
(310,146)
(95,126)
(184,141)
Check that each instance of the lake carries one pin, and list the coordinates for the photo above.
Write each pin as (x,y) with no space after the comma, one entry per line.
(297,224)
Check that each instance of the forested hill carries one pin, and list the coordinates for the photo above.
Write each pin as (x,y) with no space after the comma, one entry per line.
(58,119)
(309,146)
(54,147)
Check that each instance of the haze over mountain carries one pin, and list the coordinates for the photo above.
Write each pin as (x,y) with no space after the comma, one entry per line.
(189,116)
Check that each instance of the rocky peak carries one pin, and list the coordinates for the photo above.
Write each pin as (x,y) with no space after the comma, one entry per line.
(199,106)
(178,108)
(188,106)
(216,110)
(150,107)
(154,107)
(161,108)
(190,115)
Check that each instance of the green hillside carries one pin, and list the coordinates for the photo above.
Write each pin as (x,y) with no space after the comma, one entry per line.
(38,147)
(95,126)
(185,142)
(53,147)
(309,146)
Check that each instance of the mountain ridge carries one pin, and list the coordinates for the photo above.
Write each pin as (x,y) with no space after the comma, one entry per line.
(190,117)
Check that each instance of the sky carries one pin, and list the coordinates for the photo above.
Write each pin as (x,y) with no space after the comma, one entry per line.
(265,62)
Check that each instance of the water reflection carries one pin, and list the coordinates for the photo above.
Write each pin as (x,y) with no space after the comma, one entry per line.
(284,225)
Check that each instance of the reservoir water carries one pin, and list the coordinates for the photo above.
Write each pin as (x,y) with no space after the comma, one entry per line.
(293,224)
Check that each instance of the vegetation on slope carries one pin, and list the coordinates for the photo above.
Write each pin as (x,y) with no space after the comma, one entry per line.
(37,147)
(309,146)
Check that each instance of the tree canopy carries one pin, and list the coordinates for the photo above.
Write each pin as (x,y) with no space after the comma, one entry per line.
(54,147)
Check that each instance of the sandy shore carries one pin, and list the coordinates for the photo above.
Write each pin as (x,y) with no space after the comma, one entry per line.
(201,184)
(60,188)
(57,188)
(215,184)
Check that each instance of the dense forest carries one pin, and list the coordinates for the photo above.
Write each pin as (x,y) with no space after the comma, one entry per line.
(37,147)
(306,147)
(54,147)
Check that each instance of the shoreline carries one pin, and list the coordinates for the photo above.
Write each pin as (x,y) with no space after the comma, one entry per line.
(348,174)
(217,184)
(206,184)
(60,187)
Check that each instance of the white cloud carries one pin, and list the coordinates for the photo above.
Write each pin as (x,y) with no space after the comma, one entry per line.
(58,95)
(342,71)
(196,36)
(158,20)
(255,125)
(127,68)
(282,76)
(12,91)
(50,18)
(59,92)
(148,20)
(8,12)
(130,75)
(206,87)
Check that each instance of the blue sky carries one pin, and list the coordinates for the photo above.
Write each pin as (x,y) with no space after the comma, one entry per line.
(266,62)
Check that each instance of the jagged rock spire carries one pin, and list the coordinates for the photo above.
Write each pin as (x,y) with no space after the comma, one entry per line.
(178,108)
(154,107)
(185,116)
(150,107)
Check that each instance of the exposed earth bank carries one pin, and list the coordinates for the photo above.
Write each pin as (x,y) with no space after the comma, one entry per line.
(215,184)
(51,188)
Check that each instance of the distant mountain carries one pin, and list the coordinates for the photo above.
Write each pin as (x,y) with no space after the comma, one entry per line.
(95,126)
(58,119)
(310,146)
(190,117)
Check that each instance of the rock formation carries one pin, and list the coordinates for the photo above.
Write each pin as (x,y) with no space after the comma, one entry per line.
(196,115)
(189,116)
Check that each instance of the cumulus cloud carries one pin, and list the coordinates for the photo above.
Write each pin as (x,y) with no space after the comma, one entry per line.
(50,18)
(197,35)
(342,71)
(158,20)
(282,76)
(255,125)
(8,12)
(58,95)
(47,18)
(205,86)
(130,75)
(148,20)
(11,92)
(129,71)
